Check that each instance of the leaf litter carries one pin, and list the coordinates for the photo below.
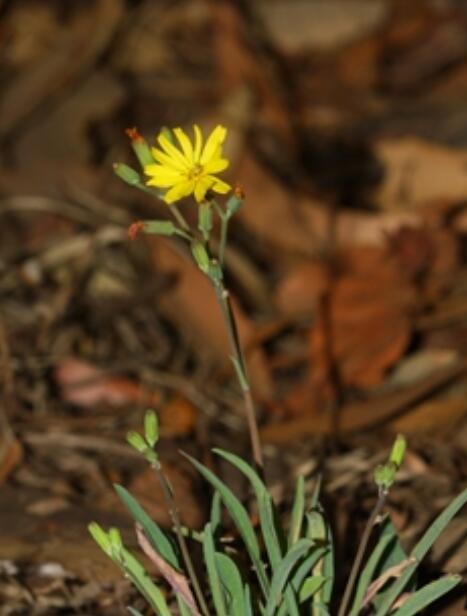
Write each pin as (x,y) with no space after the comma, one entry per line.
(348,267)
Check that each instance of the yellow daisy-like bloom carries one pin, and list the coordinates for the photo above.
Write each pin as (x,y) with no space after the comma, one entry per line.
(189,168)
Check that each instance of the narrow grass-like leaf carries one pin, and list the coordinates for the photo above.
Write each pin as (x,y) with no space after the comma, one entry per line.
(387,537)
(310,586)
(183,607)
(298,511)
(209,552)
(139,577)
(240,517)
(320,532)
(427,595)
(248,606)
(133,611)
(282,573)
(215,516)
(157,537)
(233,584)
(421,550)
(272,533)
(302,572)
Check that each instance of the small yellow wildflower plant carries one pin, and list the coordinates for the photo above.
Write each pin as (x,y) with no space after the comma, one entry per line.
(294,573)
(188,167)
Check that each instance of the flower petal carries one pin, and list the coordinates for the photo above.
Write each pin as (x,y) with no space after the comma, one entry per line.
(215,139)
(220,187)
(198,143)
(165,159)
(172,151)
(180,190)
(185,144)
(216,165)
(202,186)
(162,176)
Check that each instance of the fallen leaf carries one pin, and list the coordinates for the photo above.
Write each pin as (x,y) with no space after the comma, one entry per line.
(301,288)
(418,172)
(11,453)
(177,417)
(86,385)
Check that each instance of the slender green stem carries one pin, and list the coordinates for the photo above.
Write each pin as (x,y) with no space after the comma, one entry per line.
(225,303)
(223,239)
(349,589)
(172,507)
(179,217)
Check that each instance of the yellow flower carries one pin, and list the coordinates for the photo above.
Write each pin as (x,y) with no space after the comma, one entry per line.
(189,168)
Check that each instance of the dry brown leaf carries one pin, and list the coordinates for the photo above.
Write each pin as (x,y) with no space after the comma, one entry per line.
(418,172)
(177,417)
(362,415)
(192,305)
(363,327)
(86,385)
(301,289)
(11,454)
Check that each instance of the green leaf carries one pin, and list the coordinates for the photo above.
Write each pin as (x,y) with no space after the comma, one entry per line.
(387,536)
(233,584)
(269,528)
(282,573)
(139,577)
(311,586)
(213,574)
(153,532)
(421,550)
(133,611)
(303,571)
(298,511)
(240,517)
(320,532)
(427,595)
(215,516)
(100,537)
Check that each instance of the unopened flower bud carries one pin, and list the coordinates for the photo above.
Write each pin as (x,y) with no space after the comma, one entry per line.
(140,147)
(127,174)
(201,256)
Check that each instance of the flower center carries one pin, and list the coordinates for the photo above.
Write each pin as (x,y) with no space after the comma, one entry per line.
(195,172)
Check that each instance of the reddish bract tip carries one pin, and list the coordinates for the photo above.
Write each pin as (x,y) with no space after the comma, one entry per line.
(134,229)
(239,192)
(133,134)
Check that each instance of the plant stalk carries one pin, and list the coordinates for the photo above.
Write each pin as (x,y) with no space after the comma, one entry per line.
(349,589)
(172,507)
(179,217)
(225,303)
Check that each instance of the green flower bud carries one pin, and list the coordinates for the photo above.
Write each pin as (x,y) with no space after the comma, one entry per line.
(385,475)
(200,256)
(205,219)
(127,174)
(235,202)
(140,147)
(151,428)
(137,441)
(159,227)
(398,451)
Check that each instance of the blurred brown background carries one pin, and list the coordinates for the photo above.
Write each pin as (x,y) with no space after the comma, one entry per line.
(347,126)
